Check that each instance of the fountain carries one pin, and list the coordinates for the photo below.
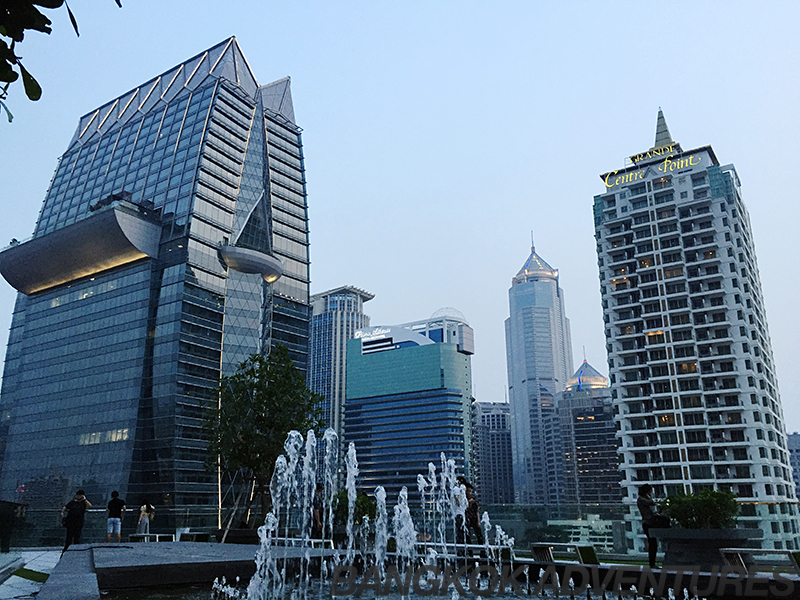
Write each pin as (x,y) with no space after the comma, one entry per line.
(287,555)
(434,560)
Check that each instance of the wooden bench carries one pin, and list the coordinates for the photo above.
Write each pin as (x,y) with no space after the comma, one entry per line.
(736,556)
(543,552)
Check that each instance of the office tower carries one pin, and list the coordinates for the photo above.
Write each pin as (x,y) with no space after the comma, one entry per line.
(539,362)
(335,317)
(152,270)
(689,352)
(409,390)
(588,433)
(492,472)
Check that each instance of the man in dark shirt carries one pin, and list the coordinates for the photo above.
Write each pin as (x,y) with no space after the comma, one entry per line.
(116,508)
(72,516)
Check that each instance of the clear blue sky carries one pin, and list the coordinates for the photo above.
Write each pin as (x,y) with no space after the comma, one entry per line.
(439,134)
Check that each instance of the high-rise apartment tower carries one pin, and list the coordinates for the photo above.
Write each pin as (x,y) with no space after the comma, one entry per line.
(689,351)
(153,269)
(539,362)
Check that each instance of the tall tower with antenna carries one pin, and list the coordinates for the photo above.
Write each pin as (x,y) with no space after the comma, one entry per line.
(539,362)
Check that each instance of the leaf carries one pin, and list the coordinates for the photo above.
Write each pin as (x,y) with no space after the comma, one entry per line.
(48,3)
(32,88)
(119,3)
(72,19)
(8,112)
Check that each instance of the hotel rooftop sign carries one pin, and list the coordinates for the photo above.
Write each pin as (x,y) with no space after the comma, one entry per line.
(661,161)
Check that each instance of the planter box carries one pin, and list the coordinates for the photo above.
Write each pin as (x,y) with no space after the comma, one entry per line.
(701,546)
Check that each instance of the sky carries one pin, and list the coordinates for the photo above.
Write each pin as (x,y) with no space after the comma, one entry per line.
(439,135)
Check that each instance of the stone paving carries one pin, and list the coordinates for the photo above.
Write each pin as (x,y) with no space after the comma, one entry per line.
(34,564)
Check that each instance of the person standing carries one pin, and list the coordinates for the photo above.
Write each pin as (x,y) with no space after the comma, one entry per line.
(116,508)
(472,516)
(651,519)
(317,508)
(146,514)
(72,517)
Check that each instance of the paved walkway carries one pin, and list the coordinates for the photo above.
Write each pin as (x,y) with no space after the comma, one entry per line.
(22,572)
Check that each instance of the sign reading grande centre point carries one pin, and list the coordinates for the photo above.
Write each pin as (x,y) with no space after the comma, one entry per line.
(664,160)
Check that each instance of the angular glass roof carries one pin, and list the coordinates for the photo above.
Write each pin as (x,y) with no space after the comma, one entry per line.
(586,378)
(223,61)
(535,266)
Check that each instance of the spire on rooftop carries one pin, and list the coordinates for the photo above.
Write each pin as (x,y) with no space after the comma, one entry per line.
(663,138)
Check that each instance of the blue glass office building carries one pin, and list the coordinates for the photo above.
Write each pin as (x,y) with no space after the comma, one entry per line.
(409,391)
(154,267)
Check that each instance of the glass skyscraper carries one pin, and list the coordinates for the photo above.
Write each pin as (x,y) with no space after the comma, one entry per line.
(153,268)
(689,352)
(409,390)
(539,362)
(589,437)
(336,315)
(492,473)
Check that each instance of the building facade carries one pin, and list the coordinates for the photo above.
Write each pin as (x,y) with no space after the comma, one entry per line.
(793,440)
(689,352)
(409,391)
(153,269)
(539,362)
(336,315)
(591,475)
(492,472)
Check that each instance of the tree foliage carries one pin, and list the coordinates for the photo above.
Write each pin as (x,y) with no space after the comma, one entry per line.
(714,509)
(364,507)
(17,17)
(259,405)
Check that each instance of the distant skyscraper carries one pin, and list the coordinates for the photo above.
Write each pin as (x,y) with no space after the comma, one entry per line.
(539,361)
(409,390)
(492,471)
(335,317)
(689,351)
(152,270)
(588,434)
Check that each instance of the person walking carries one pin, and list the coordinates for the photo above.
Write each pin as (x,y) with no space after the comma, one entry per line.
(146,514)
(72,517)
(116,508)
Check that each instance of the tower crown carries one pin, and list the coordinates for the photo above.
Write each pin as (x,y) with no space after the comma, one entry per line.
(535,267)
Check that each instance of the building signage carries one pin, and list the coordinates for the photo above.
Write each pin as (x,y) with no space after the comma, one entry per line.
(666,166)
(371,334)
(660,151)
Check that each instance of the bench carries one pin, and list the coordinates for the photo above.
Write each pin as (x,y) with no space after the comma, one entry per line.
(151,537)
(737,556)
(543,552)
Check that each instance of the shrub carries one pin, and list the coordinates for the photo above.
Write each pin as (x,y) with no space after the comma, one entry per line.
(707,510)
